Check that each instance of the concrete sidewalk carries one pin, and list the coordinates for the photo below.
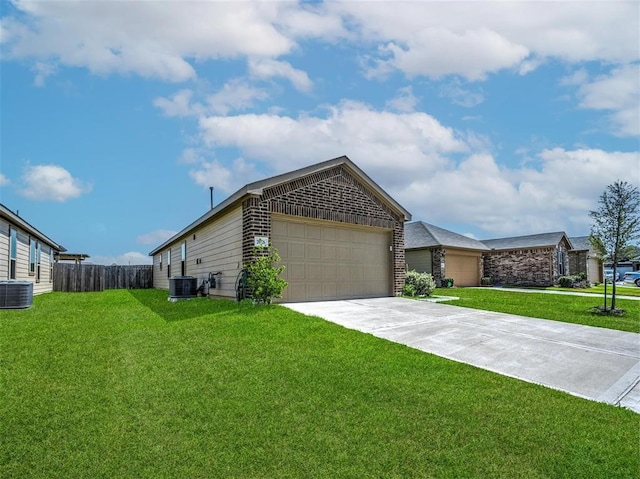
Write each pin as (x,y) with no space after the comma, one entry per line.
(593,363)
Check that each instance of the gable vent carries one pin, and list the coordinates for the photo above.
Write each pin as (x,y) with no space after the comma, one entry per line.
(16,294)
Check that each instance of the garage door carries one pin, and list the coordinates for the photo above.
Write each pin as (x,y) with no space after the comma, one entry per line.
(463,269)
(324,261)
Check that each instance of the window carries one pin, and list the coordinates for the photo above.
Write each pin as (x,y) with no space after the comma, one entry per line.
(38,261)
(561,258)
(169,263)
(32,256)
(13,252)
(160,262)
(51,265)
(183,256)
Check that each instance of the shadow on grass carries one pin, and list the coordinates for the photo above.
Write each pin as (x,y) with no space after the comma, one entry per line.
(158,302)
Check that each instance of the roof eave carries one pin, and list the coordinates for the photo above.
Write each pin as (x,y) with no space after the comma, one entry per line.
(14,218)
(225,205)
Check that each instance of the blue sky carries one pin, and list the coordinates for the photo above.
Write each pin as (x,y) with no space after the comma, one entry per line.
(487,118)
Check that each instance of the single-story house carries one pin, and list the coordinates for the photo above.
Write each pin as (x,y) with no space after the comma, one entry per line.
(532,260)
(338,233)
(27,254)
(583,259)
(443,253)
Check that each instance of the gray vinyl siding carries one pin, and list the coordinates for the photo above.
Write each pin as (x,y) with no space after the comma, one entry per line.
(419,260)
(213,247)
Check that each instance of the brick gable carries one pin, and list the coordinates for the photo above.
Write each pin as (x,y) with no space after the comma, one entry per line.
(332,195)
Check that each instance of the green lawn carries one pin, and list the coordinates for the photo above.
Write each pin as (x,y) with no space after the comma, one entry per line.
(126,384)
(570,309)
(621,290)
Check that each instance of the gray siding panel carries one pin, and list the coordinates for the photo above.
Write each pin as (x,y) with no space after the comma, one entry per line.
(419,260)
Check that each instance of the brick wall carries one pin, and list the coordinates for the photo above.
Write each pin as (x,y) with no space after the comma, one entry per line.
(437,259)
(527,267)
(332,195)
(578,262)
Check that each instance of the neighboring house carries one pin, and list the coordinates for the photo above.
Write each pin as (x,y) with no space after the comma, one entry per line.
(338,233)
(444,254)
(533,260)
(25,253)
(583,259)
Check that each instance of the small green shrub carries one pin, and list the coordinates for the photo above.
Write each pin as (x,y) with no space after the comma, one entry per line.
(408,290)
(573,281)
(486,281)
(264,279)
(447,282)
(566,281)
(423,283)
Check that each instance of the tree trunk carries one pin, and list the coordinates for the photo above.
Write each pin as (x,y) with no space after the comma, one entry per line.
(613,286)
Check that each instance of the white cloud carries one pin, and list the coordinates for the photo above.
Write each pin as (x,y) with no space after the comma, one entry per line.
(150,39)
(4,181)
(43,70)
(168,40)
(618,92)
(461,96)
(440,38)
(51,183)
(405,101)
(223,178)
(179,104)
(502,201)
(155,237)
(471,54)
(411,155)
(389,145)
(132,257)
(235,95)
(268,68)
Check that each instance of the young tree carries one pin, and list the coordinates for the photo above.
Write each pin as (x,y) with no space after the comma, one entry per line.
(616,223)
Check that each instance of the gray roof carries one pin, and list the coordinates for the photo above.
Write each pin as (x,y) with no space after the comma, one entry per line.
(530,241)
(580,243)
(13,218)
(256,188)
(424,235)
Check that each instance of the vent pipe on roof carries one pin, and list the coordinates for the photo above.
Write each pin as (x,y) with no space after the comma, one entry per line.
(211,192)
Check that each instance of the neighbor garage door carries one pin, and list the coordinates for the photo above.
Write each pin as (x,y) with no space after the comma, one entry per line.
(465,270)
(328,261)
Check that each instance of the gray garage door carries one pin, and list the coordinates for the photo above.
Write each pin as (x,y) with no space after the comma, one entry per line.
(328,261)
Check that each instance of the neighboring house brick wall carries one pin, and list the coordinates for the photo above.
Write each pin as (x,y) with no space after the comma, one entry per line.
(578,262)
(439,255)
(331,195)
(529,267)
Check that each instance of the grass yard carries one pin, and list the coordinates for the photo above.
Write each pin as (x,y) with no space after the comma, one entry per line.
(621,290)
(126,384)
(570,309)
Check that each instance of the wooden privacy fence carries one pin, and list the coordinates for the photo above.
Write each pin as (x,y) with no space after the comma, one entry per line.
(77,278)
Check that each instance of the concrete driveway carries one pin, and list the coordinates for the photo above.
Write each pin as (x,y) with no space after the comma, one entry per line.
(593,363)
